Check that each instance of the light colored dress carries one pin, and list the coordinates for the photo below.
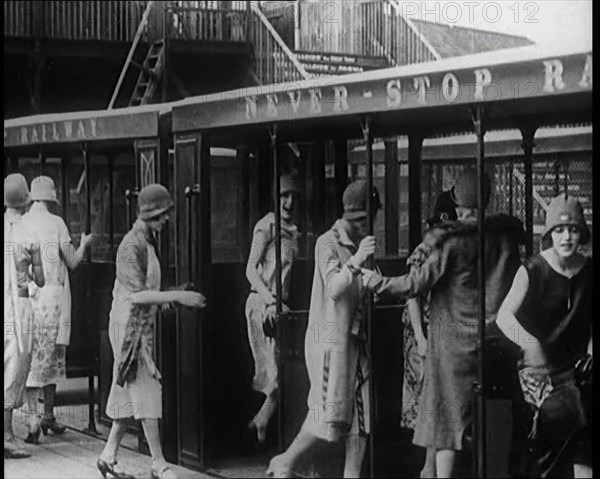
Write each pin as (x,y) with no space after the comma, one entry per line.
(18,313)
(52,303)
(264,349)
(136,390)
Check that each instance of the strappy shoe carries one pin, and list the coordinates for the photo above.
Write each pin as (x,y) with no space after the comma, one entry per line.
(33,436)
(12,450)
(164,471)
(278,468)
(106,468)
(51,423)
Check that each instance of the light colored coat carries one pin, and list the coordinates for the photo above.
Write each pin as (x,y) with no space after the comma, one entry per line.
(335,342)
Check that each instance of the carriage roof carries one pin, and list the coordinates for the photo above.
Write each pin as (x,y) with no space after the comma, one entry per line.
(103,125)
(535,83)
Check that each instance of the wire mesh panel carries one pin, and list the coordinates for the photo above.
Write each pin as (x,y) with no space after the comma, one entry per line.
(561,162)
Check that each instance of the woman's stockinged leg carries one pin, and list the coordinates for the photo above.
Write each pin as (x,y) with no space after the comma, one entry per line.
(355,452)
(429,466)
(152,434)
(33,410)
(263,416)
(49,399)
(9,434)
(444,462)
(117,431)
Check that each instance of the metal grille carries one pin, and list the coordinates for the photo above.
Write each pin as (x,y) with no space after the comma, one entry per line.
(562,161)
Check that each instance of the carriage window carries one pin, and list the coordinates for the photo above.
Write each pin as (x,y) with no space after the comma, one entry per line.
(100,208)
(225,204)
(76,198)
(172,222)
(123,177)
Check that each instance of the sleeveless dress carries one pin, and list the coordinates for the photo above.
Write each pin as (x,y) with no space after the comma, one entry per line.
(557,311)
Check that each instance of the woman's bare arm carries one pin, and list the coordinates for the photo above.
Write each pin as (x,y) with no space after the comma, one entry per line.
(258,250)
(71,256)
(507,320)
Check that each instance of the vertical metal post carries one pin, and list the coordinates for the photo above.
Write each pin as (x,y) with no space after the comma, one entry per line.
(65,196)
(278,274)
(368,138)
(341,172)
(481,469)
(391,196)
(249,22)
(566,176)
(165,38)
(556,177)
(510,187)
(111,213)
(527,133)
(415,145)
(91,429)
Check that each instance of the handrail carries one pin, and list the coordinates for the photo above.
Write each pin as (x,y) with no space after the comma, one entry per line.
(117,21)
(136,40)
(277,74)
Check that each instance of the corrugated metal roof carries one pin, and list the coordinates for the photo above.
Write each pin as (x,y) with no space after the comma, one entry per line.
(453,41)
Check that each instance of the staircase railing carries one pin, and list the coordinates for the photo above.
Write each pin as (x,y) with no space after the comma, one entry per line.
(136,40)
(273,61)
(76,20)
(407,45)
(118,20)
(205,21)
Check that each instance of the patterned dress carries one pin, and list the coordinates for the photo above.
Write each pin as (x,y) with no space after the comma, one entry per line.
(52,303)
(136,390)
(18,313)
(413,362)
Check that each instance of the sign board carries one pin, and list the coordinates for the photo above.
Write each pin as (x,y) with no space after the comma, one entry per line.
(397,89)
(77,127)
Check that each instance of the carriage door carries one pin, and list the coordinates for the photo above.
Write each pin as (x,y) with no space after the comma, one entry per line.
(192,243)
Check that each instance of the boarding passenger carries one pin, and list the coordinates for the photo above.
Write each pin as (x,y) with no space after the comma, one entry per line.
(335,342)
(51,307)
(451,274)
(136,390)
(415,318)
(22,264)
(548,313)
(261,311)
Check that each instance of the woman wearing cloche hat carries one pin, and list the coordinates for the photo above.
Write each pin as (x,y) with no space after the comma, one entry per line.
(547,312)
(261,312)
(136,294)
(22,264)
(51,307)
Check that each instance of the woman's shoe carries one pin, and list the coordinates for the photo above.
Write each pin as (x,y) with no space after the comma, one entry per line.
(12,450)
(33,436)
(50,423)
(163,472)
(106,468)
(278,468)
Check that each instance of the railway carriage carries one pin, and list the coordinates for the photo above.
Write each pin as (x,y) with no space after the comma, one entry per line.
(221,156)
